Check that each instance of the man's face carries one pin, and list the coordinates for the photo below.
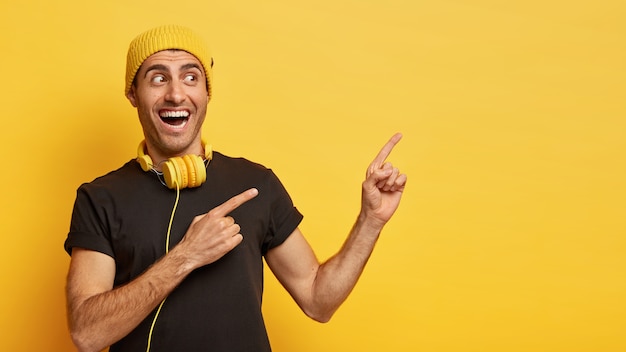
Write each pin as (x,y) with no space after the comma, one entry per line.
(171,98)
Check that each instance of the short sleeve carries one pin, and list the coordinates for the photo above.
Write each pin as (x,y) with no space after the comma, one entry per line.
(284,217)
(88,228)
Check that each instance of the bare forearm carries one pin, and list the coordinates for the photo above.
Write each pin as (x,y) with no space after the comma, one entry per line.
(337,277)
(104,318)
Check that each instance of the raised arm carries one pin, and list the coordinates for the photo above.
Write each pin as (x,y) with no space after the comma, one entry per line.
(100,315)
(319,289)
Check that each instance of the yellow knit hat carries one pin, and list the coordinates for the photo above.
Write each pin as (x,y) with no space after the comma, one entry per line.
(164,38)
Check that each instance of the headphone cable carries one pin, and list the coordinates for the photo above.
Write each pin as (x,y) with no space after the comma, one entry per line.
(167,249)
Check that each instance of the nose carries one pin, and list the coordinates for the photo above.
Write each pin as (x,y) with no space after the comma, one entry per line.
(175,92)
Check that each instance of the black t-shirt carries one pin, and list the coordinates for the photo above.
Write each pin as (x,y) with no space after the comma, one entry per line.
(125,214)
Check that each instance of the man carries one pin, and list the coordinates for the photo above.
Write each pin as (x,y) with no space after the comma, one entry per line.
(166,252)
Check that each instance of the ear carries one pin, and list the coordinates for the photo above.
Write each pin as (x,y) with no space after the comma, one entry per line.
(131,96)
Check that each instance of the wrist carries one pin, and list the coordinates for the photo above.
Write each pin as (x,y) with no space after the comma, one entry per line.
(369,223)
(179,261)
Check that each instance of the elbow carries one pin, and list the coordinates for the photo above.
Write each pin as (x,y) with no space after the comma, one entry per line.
(321,307)
(79,342)
(321,318)
(85,337)
(83,342)
(320,315)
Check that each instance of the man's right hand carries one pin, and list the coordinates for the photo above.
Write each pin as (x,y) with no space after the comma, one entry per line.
(210,236)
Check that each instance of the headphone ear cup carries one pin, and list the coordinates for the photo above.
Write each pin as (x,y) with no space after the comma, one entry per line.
(175,173)
(183,174)
(195,167)
(169,174)
(191,171)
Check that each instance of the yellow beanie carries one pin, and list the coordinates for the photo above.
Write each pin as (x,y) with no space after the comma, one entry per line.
(164,38)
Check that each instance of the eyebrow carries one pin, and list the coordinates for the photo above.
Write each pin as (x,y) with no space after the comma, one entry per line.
(192,65)
(160,67)
(157,67)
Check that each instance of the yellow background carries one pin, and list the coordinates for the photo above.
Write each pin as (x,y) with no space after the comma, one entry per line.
(511,234)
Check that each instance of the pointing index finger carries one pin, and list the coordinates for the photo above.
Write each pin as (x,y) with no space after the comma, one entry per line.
(386,150)
(234,202)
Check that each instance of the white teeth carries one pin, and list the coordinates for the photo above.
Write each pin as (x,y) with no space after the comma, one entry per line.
(175,114)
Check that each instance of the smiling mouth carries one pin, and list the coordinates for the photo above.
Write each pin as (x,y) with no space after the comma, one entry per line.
(175,118)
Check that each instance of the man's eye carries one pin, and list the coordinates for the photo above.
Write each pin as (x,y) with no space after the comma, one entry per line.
(190,78)
(158,79)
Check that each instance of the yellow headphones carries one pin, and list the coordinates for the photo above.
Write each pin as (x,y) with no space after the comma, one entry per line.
(180,171)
